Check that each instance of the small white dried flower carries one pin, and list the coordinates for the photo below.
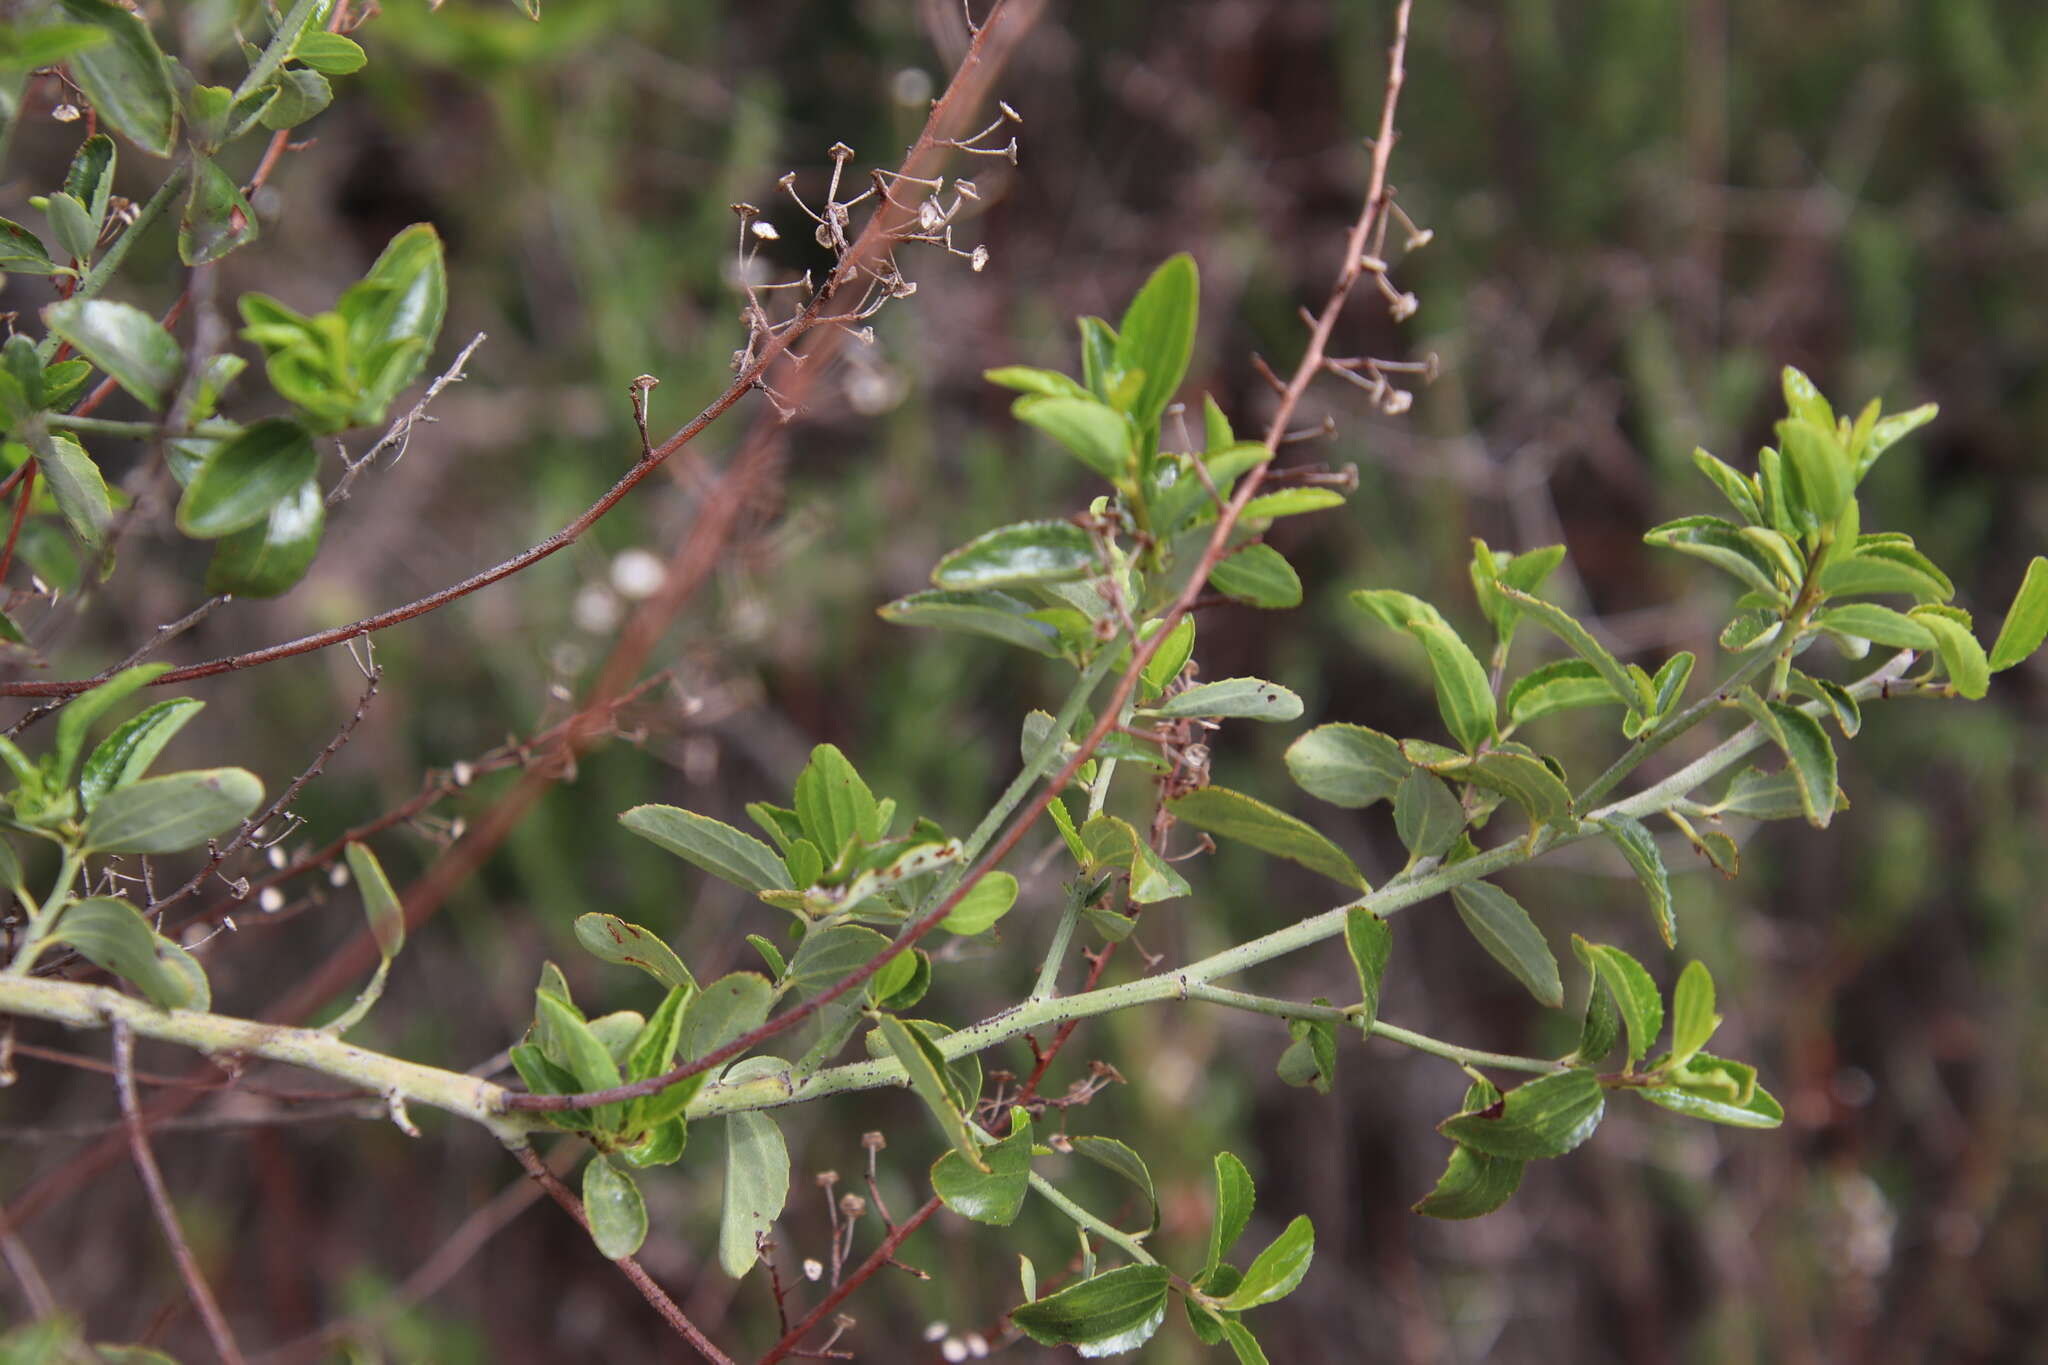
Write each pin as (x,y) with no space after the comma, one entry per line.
(271,901)
(813,1268)
(978,259)
(66,113)
(764,230)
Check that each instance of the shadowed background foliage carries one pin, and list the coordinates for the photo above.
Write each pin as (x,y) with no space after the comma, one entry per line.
(1639,213)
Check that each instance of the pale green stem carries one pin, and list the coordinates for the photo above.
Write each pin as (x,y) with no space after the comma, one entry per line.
(139,430)
(1089,1221)
(278,52)
(1062,937)
(44,917)
(1670,730)
(1421,1042)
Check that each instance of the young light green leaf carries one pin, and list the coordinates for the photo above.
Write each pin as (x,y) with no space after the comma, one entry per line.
(1462,691)
(1311,1056)
(1886,567)
(1109,842)
(113,935)
(172,813)
(1546,1117)
(1171,656)
(2026,621)
(927,1071)
(612,1204)
(1093,433)
(75,721)
(652,1051)
(1157,336)
(1233,815)
(1505,930)
(1891,430)
(1026,552)
(1370,940)
(718,848)
(1880,625)
(1242,1343)
(1347,765)
(1561,685)
(1290,502)
(393,314)
(1276,1271)
(756,1188)
(1969,671)
(987,901)
(1258,576)
(1113,1312)
(1722,544)
(122,340)
(1027,379)
(296,98)
(996,1195)
(1426,815)
(611,939)
(329,53)
(1639,847)
(1560,623)
(126,754)
(126,78)
(380,902)
(831,952)
(1234,1194)
(1634,990)
(1736,487)
(1473,1185)
(571,1043)
(1693,1020)
(1720,1091)
(1233,699)
(1810,757)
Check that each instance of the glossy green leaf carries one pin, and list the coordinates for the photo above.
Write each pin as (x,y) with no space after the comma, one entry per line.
(756,1188)
(1639,847)
(995,615)
(1093,433)
(127,78)
(1722,544)
(1505,930)
(1748,630)
(329,53)
(113,935)
(1233,815)
(1258,576)
(718,848)
(1113,1312)
(1157,335)
(987,901)
(1891,430)
(381,905)
(1562,685)
(1276,1271)
(927,1071)
(1026,552)
(1740,491)
(1028,379)
(270,556)
(1233,699)
(1118,1157)
(1370,941)
(2026,621)
(1719,1091)
(1171,657)
(75,482)
(569,1041)
(1693,1020)
(1526,781)
(1546,1117)
(1810,756)
(1473,1185)
(652,1051)
(663,1145)
(1347,765)
(22,252)
(246,476)
(1234,1196)
(1880,625)
(125,755)
(25,49)
(217,218)
(393,315)
(1600,1025)
(1426,815)
(1961,656)
(75,721)
(611,939)
(1889,568)
(614,1209)
(1634,992)
(172,813)
(1560,623)
(996,1195)
(1816,459)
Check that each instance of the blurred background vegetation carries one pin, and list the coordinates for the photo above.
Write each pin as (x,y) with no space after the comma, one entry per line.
(1639,213)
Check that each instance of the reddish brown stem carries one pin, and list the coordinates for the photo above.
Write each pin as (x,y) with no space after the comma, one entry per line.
(21,502)
(877,1260)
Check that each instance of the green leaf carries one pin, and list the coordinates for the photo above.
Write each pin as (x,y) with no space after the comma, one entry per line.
(1371,942)
(127,78)
(126,754)
(653,1049)
(217,218)
(1347,765)
(1736,487)
(393,315)
(1233,699)
(1473,1184)
(1098,356)
(297,97)
(73,227)
(1027,552)
(730,1007)
(1546,1117)
(1026,379)
(1886,567)
(1765,796)
(272,555)
(996,1195)
(1289,502)
(1960,655)
(380,902)
(1891,430)
(1880,625)
(756,1188)
(833,802)
(1108,842)
(1601,1024)
(1505,930)
(1693,1020)
(1171,656)
(987,901)
(614,1208)
(2026,621)
(1639,847)
(23,253)
(718,848)
(1561,624)
(1810,756)
(927,1071)
(1234,1195)
(611,939)
(1233,815)
(993,614)
(1748,630)
(1157,336)
(1721,544)
(172,813)
(113,935)
(29,49)
(1258,576)
(1634,990)
(1526,781)
(1821,466)
(829,954)
(1463,693)
(1426,815)
(246,476)
(1116,1156)
(75,722)
(329,53)
(1311,1056)
(1116,1311)
(571,1043)
(1093,433)
(1719,1091)
(1562,685)
(1277,1269)
(75,482)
